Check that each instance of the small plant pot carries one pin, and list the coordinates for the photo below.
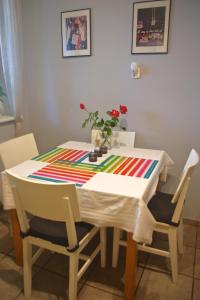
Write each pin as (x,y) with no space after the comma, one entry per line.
(98,152)
(104,149)
(92,157)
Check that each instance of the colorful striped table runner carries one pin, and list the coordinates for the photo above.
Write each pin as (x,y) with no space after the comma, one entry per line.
(72,168)
(122,165)
(57,153)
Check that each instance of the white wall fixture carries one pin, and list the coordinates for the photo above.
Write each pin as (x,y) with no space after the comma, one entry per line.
(135,70)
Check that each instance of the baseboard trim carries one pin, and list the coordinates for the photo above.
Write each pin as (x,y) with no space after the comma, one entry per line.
(191,222)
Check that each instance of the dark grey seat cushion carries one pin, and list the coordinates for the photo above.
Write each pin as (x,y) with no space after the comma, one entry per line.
(54,231)
(162,209)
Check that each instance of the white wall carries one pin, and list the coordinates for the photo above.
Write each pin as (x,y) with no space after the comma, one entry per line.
(163,105)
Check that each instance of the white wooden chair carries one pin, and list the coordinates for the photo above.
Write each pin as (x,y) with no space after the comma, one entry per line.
(17,150)
(56,225)
(119,138)
(167,211)
(14,152)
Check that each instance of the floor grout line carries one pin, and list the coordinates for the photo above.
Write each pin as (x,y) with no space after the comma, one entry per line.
(137,287)
(104,290)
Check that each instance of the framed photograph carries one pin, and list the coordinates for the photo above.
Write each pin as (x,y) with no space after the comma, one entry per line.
(150,26)
(76,33)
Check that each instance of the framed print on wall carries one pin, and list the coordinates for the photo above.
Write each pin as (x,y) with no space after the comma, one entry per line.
(150,26)
(76,33)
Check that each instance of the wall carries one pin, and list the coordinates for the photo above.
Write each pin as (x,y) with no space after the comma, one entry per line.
(163,105)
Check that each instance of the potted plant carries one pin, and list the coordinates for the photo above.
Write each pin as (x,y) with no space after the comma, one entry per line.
(105,126)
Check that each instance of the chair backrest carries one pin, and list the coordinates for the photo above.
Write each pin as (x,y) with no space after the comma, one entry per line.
(55,202)
(192,161)
(17,150)
(179,196)
(119,138)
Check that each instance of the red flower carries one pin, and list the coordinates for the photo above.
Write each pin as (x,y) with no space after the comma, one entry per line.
(114,113)
(123,109)
(82,106)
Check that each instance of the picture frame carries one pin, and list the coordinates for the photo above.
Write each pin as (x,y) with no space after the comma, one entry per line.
(150,27)
(76,33)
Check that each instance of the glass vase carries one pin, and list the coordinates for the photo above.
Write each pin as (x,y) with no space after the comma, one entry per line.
(106,140)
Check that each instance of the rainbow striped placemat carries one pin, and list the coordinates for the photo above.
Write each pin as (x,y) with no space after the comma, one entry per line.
(63,172)
(79,172)
(123,165)
(129,166)
(57,153)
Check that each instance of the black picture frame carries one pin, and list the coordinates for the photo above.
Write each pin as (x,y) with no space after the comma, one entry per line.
(76,33)
(150,27)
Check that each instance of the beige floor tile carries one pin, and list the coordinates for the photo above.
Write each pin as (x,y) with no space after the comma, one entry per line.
(6,243)
(111,284)
(189,236)
(89,292)
(196,291)
(186,261)
(47,285)
(10,278)
(108,279)
(8,292)
(4,217)
(156,285)
(197,265)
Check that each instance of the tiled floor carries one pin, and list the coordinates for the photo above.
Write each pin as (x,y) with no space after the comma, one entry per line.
(153,277)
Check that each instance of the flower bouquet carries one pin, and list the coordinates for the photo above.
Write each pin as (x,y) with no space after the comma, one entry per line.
(104,126)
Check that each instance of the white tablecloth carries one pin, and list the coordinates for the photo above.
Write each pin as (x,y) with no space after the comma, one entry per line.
(110,199)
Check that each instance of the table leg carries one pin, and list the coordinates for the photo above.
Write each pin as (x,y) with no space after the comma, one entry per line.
(131,268)
(17,241)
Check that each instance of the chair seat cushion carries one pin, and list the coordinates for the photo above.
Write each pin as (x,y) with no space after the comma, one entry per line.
(162,209)
(54,231)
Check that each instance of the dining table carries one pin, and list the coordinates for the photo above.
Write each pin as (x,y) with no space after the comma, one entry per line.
(113,191)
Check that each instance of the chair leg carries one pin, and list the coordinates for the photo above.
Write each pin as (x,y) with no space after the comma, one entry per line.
(173,252)
(103,246)
(180,237)
(27,267)
(73,276)
(116,239)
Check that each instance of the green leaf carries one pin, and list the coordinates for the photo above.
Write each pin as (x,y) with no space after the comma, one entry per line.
(108,122)
(112,123)
(85,123)
(100,123)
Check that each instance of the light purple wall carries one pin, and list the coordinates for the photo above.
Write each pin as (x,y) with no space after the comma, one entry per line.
(164,105)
